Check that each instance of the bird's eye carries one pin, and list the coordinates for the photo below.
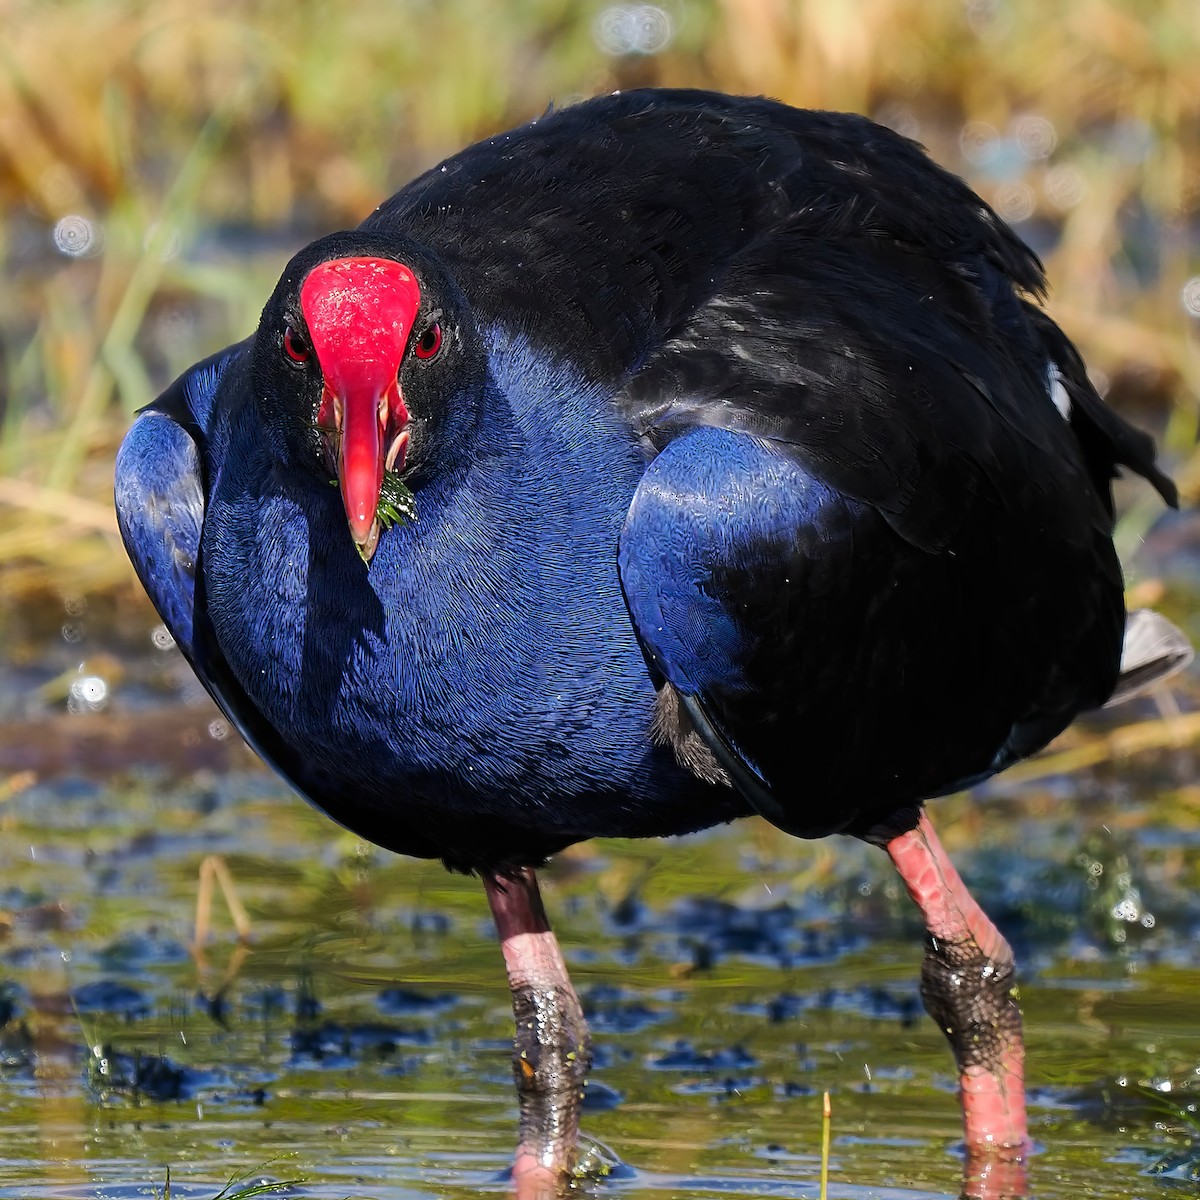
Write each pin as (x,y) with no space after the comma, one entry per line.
(429,343)
(295,347)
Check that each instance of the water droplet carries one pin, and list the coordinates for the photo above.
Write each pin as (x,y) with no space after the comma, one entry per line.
(218,729)
(977,141)
(1036,136)
(88,693)
(1190,296)
(1064,186)
(1125,910)
(1015,202)
(633,29)
(160,635)
(78,237)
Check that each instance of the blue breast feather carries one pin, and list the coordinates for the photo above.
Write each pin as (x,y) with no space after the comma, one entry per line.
(485,661)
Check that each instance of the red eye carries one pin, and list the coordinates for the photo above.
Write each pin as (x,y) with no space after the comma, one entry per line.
(294,346)
(430,342)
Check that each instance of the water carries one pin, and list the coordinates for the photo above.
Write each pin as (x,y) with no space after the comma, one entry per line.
(362,1041)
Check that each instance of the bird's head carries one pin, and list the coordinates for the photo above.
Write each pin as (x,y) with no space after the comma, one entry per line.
(357,347)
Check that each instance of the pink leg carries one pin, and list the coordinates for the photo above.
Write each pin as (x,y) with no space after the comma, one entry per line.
(968,989)
(551,1051)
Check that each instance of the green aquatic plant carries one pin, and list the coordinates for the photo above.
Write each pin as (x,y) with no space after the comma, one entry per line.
(238,1188)
(1178,1112)
(397,504)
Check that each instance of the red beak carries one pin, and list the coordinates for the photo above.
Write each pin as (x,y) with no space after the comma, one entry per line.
(360,313)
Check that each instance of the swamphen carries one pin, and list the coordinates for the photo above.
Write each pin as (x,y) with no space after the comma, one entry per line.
(671,458)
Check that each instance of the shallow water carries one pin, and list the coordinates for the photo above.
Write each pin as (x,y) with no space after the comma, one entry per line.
(731,977)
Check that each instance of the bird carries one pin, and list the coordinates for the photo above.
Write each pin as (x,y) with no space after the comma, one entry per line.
(669,459)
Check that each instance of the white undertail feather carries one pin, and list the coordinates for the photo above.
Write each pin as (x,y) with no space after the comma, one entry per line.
(1057,391)
(1153,650)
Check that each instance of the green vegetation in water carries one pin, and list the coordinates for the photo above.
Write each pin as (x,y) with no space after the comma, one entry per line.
(238,1189)
(1180,1118)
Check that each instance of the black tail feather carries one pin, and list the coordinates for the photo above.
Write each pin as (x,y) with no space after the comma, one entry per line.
(1108,440)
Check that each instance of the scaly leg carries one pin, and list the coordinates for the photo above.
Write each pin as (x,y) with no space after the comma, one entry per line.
(551,1050)
(968,989)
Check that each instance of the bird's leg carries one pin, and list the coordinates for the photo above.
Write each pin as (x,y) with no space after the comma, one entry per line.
(551,1050)
(967,983)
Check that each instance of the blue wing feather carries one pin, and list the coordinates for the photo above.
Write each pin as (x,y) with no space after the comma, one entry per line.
(712,500)
(160,491)
(160,510)
(711,497)
(834,669)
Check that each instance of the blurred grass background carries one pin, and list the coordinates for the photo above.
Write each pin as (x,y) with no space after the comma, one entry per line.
(160,161)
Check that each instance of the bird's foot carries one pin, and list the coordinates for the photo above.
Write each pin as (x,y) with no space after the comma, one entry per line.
(967,983)
(551,1049)
(551,1057)
(972,997)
